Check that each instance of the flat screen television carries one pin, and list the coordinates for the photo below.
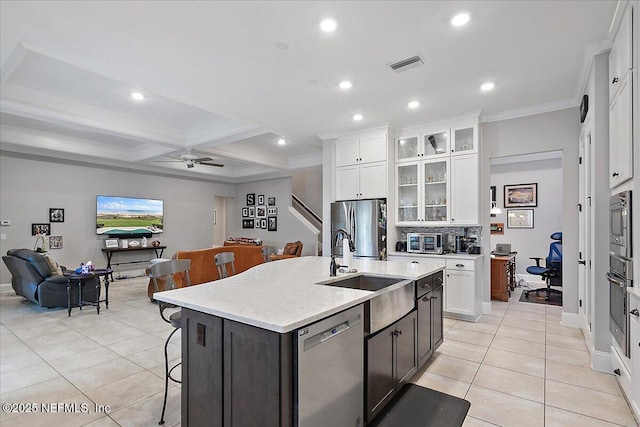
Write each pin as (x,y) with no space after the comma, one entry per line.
(128,216)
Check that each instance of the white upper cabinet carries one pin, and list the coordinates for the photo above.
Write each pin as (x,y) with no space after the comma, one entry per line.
(418,144)
(464,190)
(354,150)
(621,92)
(620,57)
(464,140)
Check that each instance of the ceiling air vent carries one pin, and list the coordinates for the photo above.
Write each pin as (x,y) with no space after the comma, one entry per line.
(405,64)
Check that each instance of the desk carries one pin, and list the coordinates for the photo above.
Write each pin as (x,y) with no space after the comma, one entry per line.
(80,280)
(110,251)
(503,276)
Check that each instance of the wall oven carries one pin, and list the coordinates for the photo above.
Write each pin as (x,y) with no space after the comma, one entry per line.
(620,224)
(619,277)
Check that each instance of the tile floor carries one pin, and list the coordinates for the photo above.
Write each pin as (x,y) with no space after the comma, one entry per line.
(517,367)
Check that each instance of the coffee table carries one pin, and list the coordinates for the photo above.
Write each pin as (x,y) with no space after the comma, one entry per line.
(80,280)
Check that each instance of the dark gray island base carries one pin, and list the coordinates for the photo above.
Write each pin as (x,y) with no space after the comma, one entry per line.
(234,374)
(286,344)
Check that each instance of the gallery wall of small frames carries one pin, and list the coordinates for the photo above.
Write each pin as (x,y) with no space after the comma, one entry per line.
(260,212)
(43,229)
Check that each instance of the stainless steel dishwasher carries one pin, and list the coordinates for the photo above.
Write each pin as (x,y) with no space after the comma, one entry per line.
(330,371)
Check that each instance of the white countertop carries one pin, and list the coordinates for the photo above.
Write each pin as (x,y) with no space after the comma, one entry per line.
(284,295)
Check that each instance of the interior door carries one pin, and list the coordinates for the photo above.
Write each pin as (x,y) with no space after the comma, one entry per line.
(587,231)
(582,307)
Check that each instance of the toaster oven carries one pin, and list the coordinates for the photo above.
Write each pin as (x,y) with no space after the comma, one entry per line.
(426,243)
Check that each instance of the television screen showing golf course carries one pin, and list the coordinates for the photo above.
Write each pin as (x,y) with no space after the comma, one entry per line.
(128,215)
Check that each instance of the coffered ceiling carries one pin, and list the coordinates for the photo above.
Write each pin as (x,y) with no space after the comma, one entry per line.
(227,80)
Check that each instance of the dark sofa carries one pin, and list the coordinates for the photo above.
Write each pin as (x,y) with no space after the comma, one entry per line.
(32,278)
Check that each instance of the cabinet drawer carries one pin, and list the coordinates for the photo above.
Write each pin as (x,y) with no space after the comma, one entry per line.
(461,264)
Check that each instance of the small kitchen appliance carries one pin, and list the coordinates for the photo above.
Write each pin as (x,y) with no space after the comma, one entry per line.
(426,243)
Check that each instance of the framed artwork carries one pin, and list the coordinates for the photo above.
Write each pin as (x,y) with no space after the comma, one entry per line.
(252,211)
(247,223)
(261,211)
(56,215)
(258,223)
(261,199)
(251,199)
(520,218)
(497,228)
(55,242)
(111,243)
(272,201)
(245,212)
(272,223)
(272,211)
(263,223)
(40,229)
(521,195)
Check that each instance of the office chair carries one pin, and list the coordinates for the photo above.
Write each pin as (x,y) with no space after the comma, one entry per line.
(552,272)
(164,271)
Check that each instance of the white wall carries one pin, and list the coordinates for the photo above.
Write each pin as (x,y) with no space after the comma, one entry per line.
(290,229)
(30,186)
(307,185)
(547,216)
(553,131)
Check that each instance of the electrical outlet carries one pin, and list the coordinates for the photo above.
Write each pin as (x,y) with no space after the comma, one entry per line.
(3,237)
(5,222)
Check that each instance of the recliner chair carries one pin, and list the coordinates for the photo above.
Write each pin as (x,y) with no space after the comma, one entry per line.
(552,272)
(31,277)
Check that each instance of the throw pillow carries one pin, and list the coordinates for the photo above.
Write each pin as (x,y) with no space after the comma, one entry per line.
(53,265)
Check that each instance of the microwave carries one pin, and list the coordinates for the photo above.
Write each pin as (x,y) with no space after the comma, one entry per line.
(426,243)
(620,224)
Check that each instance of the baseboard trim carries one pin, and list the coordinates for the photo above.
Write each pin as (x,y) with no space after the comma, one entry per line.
(486,307)
(601,361)
(6,287)
(571,320)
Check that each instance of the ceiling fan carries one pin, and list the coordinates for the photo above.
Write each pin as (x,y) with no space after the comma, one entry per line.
(191,160)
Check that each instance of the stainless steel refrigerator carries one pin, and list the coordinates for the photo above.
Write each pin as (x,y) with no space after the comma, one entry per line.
(366,222)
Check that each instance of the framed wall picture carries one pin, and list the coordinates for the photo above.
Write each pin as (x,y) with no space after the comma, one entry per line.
(272,211)
(272,223)
(252,211)
(40,229)
(261,211)
(248,223)
(251,199)
(520,218)
(261,199)
(497,228)
(272,201)
(111,243)
(55,242)
(56,215)
(245,212)
(521,195)
(263,223)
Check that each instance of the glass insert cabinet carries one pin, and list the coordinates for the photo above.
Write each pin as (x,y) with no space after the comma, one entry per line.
(422,192)
(431,143)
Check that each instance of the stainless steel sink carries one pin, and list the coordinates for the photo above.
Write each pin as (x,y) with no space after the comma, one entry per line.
(386,307)
(365,283)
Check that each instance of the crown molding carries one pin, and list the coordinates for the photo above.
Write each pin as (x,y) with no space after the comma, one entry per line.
(530,111)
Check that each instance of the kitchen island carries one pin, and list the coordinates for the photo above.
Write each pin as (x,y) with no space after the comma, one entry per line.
(238,338)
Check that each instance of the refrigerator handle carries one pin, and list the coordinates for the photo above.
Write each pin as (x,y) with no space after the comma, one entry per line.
(353,224)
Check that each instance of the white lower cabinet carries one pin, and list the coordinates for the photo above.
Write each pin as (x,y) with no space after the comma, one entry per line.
(634,337)
(463,289)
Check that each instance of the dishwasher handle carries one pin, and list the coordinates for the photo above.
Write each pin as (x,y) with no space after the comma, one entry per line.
(330,333)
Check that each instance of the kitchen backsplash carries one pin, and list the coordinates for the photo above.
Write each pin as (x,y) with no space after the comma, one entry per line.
(451,231)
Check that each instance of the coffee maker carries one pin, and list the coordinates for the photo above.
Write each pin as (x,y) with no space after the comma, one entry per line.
(462,244)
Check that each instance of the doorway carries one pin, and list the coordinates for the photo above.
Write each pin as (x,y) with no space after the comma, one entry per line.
(220,207)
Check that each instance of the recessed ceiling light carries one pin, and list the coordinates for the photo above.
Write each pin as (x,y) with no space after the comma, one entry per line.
(137,96)
(281,141)
(487,86)
(413,104)
(460,19)
(345,84)
(328,25)
(357,117)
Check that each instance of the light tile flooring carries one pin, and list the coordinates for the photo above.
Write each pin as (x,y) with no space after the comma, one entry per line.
(517,367)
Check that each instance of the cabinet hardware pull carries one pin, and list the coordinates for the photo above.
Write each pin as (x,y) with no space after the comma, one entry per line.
(459,265)
(634,312)
(434,298)
(582,262)
(615,80)
(616,371)
(425,299)
(615,174)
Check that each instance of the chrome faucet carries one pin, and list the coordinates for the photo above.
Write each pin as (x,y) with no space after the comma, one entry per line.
(333,267)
